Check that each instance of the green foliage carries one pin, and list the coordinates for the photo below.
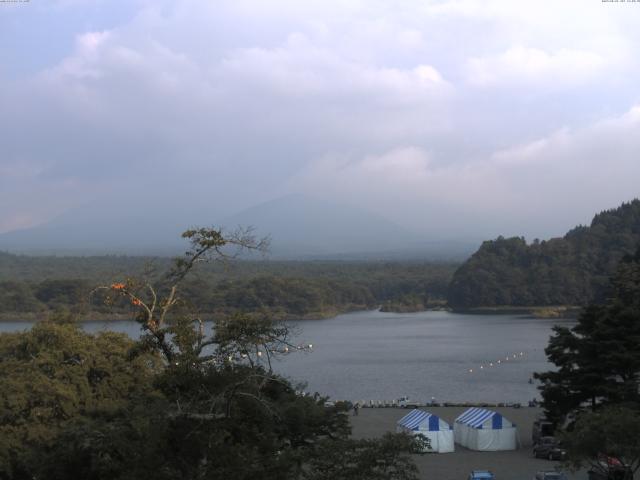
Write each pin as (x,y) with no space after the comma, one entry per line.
(383,459)
(54,374)
(18,297)
(572,270)
(283,289)
(612,433)
(598,360)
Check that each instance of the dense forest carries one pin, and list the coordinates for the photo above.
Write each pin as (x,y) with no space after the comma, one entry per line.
(39,285)
(572,270)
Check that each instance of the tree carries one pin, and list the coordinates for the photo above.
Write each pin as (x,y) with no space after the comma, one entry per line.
(572,270)
(384,459)
(604,441)
(55,374)
(598,360)
(217,409)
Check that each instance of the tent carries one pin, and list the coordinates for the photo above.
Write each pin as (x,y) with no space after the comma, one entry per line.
(438,433)
(485,430)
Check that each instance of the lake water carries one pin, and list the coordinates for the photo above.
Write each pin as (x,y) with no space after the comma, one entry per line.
(381,356)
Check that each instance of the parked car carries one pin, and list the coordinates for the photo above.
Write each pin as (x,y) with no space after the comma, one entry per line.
(610,468)
(549,448)
(404,402)
(542,428)
(550,475)
(481,475)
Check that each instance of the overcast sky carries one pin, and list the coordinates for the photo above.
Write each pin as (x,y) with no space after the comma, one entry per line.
(466,117)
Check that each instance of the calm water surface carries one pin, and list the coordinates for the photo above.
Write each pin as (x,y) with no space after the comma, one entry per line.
(381,356)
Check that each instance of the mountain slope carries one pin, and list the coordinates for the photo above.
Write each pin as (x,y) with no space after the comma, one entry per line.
(572,270)
(302,225)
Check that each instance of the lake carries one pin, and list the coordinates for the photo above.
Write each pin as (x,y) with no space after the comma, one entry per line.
(374,355)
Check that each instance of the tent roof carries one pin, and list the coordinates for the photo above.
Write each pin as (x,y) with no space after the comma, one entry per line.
(475,417)
(415,418)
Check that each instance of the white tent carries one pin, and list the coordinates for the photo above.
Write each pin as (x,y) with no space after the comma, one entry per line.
(437,432)
(485,430)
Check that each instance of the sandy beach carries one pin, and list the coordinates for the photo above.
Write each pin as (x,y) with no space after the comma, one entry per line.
(509,465)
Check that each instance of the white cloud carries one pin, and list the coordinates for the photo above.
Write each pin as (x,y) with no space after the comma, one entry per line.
(522,65)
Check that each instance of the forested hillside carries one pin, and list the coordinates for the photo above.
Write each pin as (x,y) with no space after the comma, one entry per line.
(37,285)
(572,270)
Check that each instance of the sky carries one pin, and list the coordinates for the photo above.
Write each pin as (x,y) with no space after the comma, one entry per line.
(452,118)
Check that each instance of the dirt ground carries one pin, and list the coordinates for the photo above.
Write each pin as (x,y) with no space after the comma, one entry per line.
(510,465)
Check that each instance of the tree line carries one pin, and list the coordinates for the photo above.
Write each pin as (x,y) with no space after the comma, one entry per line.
(283,289)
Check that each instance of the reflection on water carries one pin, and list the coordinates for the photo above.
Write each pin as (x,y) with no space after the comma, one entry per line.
(381,356)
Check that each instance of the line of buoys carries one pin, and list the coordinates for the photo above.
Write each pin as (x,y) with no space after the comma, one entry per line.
(260,353)
(498,362)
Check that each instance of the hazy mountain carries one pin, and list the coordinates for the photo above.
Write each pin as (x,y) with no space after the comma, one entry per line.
(299,226)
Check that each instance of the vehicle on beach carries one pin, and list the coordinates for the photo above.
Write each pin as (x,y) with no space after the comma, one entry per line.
(549,448)
(549,475)
(404,402)
(481,475)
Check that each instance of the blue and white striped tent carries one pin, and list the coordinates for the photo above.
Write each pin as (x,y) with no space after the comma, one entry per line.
(486,430)
(438,433)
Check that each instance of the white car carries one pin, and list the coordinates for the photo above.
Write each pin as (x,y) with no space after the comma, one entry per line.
(404,402)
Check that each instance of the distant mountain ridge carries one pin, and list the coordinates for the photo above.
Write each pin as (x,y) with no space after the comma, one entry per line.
(301,227)
(572,270)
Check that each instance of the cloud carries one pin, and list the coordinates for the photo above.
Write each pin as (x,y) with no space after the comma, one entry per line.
(540,188)
(410,109)
(520,65)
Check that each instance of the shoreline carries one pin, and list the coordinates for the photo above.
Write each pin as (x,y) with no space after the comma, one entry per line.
(536,311)
(542,312)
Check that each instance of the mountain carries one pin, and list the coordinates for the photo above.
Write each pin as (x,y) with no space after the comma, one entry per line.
(572,270)
(300,227)
(305,226)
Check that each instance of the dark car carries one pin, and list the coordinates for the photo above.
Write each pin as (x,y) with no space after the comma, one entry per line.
(541,428)
(549,448)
